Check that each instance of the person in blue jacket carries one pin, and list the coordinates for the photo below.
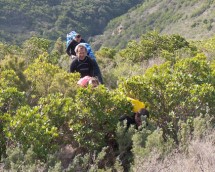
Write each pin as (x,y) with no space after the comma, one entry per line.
(74,39)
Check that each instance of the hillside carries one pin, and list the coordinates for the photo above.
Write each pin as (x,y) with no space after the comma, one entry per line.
(191,19)
(52,19)
(114,22)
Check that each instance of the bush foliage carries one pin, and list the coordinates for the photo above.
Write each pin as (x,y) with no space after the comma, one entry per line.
(42,109)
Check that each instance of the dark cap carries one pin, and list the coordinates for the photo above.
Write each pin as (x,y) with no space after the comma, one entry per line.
(77,35)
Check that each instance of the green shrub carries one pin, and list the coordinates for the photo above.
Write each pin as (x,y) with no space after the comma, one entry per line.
(151,46)
(17,160)
(155,143)
(47,78)
(97,110)
(175,91)
(30,127)
(202,125)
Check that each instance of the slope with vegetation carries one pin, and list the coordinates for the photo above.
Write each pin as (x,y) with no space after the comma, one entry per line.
(47,123)
(107,23)
(192,19)
(19,20)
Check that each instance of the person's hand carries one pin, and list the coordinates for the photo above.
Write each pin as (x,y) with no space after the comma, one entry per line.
(72,56)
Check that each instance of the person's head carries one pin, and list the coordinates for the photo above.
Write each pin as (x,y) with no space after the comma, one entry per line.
(77,37)
(81,51)
(93,81)
(88,80)
(141,112)
(144,112)
(83,82)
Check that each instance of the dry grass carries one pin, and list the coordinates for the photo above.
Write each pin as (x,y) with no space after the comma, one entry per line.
(200,158)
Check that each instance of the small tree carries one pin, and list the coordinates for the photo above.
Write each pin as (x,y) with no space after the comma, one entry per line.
(34,47)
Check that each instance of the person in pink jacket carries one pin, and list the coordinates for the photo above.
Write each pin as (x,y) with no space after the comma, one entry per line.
(88,80)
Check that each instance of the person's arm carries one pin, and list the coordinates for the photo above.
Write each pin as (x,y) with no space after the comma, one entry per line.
(82,41)
(73,66)
(68,49)
(92,72)
(71,48)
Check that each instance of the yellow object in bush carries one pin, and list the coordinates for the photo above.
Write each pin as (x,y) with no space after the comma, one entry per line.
(137,105)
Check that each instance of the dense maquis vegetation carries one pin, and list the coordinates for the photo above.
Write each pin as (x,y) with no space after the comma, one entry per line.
(54,18)
(42,111)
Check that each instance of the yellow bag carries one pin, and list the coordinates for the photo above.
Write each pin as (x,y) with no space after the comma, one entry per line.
(137,105)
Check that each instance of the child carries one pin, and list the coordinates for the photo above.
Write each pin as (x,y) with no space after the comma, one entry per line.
(88,80)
